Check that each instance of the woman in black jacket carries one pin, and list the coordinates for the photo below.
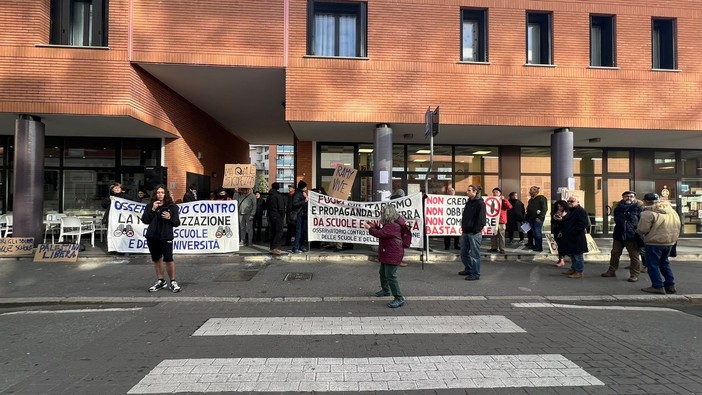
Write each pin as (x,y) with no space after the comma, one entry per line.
(161,214)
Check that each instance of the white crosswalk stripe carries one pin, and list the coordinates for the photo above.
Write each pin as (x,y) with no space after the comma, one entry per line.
(306,326)
(363,374)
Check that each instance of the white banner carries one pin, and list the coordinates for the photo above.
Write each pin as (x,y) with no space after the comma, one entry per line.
(337,220)
(206,227)
(445,212)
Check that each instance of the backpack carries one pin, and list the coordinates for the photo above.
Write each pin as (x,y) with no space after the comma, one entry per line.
(406,232)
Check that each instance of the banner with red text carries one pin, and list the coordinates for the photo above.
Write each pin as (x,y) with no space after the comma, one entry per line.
(444,214)
(206,227)
(341,221)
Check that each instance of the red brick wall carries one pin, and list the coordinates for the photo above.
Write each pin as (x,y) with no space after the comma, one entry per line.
(414,49)
(231,33)
(303,163)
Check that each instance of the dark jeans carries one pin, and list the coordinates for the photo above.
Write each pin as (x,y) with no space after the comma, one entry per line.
(388,280)
(511,236)
(656,260)
(447,242)
(470,253)
(276,224)
(537,227)
(300,234)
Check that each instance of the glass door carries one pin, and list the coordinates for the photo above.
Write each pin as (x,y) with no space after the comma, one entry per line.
(615,188)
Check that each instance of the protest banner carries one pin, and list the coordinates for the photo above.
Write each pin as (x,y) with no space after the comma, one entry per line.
(57,253)
(443,215)
(206,227)
(16,246)
(341,221)
(342,182)
(239,176)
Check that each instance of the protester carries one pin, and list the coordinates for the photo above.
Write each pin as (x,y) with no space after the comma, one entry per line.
(626,215)
(276,217)
(116,191)
(573,227)
(291,218)
(299,211)
(191,194)
(659,225)
(497,241)
(222,194)
(247,210)
(397,191)
(142,196)
(390,252)
(515,218)
(560,211)
(537,208)
(447,239)
(258,217)
(472,223)
(161,214)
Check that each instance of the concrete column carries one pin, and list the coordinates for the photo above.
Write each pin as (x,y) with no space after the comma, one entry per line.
(561,160)
(28,204)
(382,162)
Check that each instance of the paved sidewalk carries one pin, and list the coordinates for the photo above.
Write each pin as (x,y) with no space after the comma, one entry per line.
(253,275)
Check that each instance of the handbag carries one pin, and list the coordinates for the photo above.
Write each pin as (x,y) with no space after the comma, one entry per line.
(674,250)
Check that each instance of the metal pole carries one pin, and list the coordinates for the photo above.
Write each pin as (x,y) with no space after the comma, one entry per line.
(426,191)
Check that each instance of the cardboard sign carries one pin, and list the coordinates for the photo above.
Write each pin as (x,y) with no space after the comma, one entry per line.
(342,182)
(16,246)
(57,253)
(239,176)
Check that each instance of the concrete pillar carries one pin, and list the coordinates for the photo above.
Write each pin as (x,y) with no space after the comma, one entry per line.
(28,203)
(561,160)
(382,162)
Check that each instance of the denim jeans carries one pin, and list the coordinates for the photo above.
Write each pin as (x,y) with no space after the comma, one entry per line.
(578,264)
(537,227)
(656,260)
(300,234)
(388,280)
(470,252)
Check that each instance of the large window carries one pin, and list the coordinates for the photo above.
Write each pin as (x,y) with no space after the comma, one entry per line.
(79,22)
(538,38)
(602,43)
(336,29)
(663,44)
(474,33)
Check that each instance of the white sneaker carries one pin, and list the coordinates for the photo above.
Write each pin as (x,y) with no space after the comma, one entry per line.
(159,284)
(174,286)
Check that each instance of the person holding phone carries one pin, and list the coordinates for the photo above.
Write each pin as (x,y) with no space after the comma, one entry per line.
(161,214)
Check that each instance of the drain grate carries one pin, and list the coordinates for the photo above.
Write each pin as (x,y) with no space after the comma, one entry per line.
(297,276)
(236,275)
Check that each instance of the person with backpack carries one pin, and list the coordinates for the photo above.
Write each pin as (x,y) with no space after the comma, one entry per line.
(391,250)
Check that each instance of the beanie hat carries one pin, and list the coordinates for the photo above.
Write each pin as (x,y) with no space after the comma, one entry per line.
(301,185)
(651,197)
(275,186)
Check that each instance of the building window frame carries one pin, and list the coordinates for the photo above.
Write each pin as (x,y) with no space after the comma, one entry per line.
(332,15)
(79,23)
(603,42)
(474,28)
(664,51)
(539,38)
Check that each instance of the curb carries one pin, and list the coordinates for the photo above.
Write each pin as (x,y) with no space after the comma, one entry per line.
(692,298)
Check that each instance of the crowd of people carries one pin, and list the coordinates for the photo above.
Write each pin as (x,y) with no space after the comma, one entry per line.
(647,229)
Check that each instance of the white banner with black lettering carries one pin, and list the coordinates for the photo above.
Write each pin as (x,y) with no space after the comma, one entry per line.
(206,227)
(445,212)
(336,220)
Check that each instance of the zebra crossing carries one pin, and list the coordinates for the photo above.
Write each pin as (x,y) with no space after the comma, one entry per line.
(402,372)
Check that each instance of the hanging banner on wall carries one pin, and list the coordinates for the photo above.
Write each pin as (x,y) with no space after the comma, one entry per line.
(341,221)
(444,214)
(206,227)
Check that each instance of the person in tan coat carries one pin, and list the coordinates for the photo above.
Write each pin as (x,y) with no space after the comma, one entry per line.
(659,225)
